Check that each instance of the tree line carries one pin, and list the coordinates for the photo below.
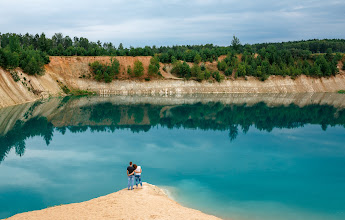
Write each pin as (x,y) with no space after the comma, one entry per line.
(313,45)
(31,52)
(285,62)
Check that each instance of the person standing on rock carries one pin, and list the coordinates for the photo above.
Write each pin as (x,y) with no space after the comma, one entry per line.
(130,174)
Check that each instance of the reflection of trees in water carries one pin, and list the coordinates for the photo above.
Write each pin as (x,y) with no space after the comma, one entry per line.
(38,126)
(211,116)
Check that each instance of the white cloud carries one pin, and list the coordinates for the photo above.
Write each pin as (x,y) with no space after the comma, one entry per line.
(176,22)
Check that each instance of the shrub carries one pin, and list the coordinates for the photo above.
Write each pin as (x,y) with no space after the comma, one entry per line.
(14,75)
(105,72)
(200,76)
(207,74)
(221,65)
(195,70)
(181,69)
(217,76)
(32,62)
(153,69)
(155,61)
(197,59)
(79,92)
(138,69)
(241,70)
(129,70)
(228,71)
(203,67)
(265,76)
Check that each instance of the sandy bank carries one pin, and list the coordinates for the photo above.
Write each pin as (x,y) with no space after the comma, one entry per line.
(147,203)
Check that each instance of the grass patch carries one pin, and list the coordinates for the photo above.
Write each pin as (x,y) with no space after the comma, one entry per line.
(341,91)
(79,92)
(65,89)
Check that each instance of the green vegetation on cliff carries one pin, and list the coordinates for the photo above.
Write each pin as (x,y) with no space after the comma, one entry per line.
(105,72)
(284,62)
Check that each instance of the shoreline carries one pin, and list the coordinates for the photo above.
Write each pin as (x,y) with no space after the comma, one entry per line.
(151,202)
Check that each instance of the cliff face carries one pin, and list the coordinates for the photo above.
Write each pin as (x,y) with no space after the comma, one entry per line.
(74,73)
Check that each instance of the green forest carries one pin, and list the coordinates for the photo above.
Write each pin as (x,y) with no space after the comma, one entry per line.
(315,57)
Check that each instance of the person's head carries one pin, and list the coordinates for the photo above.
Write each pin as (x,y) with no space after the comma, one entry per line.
(135,166)
(130,163)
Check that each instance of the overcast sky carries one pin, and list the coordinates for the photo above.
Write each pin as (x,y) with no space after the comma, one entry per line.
(170,22)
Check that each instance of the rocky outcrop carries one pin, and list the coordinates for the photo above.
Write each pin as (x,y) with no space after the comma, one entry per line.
(74,73)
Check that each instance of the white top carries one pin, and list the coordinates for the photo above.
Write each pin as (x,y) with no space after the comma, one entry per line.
(138,171)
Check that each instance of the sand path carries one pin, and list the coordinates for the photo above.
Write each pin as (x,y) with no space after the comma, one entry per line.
(147,203)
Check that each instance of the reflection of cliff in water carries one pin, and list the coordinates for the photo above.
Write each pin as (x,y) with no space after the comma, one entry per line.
(109,114)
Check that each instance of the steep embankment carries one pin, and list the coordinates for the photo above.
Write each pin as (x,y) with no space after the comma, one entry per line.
(74,73)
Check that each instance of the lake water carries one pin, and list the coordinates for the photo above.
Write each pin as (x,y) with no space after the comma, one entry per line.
(234,157)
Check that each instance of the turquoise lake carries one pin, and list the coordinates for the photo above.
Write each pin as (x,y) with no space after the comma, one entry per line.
(237,157)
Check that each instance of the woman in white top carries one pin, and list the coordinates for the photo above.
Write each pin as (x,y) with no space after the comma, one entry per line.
(137,173)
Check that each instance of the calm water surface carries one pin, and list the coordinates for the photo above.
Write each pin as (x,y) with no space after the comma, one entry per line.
(235,161)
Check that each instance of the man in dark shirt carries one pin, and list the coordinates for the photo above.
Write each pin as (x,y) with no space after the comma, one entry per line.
(130,174)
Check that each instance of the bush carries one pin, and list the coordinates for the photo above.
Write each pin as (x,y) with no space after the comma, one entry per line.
(265,76)
(9,60)
(153,70)
(32,62)
(154,65)
(228,71)
(217,76)
(129,70)
(138,69)
(207,74)
(200,76)
(241,70)
(222,65)
(203,67)
(181,69)
(197,59)
(14,75)
(105,72)
(155,61)
(195,70)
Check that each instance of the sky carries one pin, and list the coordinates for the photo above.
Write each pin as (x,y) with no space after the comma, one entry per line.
(171,22)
